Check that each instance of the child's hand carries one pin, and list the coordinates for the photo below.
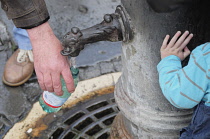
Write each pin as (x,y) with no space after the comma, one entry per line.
(176,47)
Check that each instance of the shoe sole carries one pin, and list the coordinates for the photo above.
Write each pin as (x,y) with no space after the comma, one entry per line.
(16,84)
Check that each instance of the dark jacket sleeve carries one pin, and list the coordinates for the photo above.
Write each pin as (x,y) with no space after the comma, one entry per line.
(26,14)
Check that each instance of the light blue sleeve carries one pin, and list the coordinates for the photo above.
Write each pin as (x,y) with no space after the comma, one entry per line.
(183,87)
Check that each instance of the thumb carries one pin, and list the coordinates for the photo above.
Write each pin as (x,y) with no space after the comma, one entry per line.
(186,52)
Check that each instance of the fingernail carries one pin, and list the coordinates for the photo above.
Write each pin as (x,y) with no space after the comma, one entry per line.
(59,94)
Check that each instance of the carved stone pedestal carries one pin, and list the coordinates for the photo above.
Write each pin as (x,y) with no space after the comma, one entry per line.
(145,113)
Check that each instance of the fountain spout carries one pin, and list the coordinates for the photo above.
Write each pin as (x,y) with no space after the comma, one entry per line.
(114,27)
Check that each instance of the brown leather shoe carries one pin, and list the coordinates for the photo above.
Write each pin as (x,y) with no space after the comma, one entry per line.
(18,68)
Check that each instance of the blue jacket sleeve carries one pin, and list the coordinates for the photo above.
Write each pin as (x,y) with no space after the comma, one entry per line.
(183,87)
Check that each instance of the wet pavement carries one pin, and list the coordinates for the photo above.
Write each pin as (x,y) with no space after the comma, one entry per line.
(103,57)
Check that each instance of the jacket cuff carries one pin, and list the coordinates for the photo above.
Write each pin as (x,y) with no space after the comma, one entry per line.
(31,20)
(169,61)
(36,24)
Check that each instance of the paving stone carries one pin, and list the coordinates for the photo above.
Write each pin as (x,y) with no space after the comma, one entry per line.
(4,34)
(92,71)
(13,102)
(106,67)
(32,91)
(117,64)
(100,68)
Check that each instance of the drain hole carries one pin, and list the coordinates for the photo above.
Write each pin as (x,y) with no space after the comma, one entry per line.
(84,123)
(109,121)
(104,136)
(70,135)
(94,130)
(98,105)
(104,113)
(74,118)
(57,133)
(118,109)
(113,100)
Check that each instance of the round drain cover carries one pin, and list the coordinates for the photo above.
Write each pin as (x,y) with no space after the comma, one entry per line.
(91,119)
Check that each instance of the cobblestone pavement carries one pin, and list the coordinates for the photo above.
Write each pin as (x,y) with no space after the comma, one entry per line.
(103,57)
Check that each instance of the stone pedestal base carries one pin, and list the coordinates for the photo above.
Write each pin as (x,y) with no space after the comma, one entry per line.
(118,130)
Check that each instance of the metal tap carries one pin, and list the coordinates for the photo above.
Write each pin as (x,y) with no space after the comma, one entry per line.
(114,27)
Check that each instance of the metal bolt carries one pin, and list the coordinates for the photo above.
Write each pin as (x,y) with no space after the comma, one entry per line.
(108,18)
(75,30)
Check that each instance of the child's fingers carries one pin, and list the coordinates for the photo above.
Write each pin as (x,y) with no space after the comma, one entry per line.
(173,40)
(165,41)
(186,52)
(181,39)
(186,41)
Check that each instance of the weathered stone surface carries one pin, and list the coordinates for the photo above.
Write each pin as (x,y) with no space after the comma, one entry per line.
(83,9)
(138,93)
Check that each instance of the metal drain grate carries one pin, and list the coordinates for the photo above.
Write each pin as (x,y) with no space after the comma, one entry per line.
(88,120)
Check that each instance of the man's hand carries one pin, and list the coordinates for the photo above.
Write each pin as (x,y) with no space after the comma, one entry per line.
(176,47)
(48,62)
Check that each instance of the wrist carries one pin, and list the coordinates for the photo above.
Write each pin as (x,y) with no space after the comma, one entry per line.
(169,61)
(40,32)
(165,55)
